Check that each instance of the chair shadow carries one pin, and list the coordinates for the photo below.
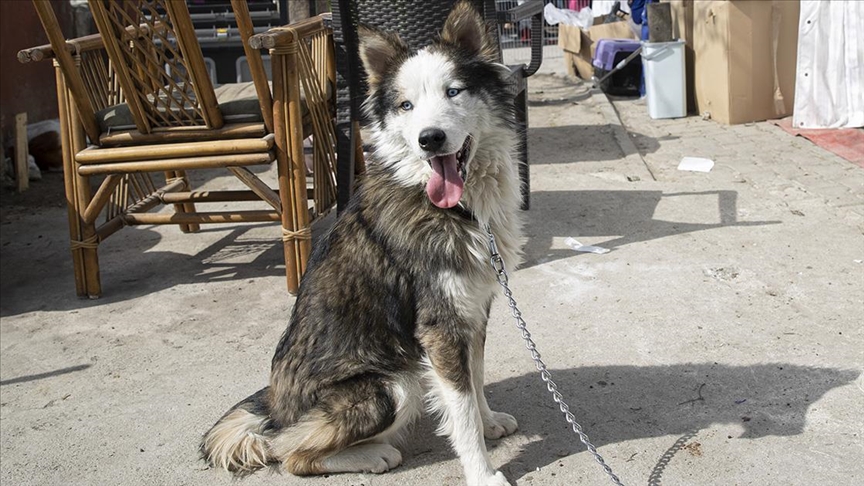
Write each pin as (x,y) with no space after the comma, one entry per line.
(545,144)
(29,276)
(621,403)
(622,217)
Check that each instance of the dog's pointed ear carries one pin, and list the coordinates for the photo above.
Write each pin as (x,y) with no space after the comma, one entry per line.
(379,50)
(465,28)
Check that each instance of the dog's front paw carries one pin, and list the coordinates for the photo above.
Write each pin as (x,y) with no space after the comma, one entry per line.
(497,480)
(499,424)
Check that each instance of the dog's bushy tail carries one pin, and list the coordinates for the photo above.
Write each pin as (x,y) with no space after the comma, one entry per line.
(238,441)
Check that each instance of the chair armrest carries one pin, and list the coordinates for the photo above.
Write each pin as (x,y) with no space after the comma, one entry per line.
(521,12)
(283,36)
(80,44)
(532,9)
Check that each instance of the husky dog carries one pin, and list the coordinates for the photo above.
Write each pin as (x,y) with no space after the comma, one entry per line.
(394,304)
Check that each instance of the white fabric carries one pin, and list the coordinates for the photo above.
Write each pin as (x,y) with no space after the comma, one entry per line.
(603,7)
(829,84)
(583,19)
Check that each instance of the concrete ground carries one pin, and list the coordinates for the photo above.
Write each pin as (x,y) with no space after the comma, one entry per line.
(718,343)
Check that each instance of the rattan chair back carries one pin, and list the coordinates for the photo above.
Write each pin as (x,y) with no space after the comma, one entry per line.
(158,63)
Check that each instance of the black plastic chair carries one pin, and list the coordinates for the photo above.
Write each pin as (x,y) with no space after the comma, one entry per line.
(418,23)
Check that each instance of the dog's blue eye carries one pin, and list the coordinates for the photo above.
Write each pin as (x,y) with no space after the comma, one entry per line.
(451,92)
(406,105)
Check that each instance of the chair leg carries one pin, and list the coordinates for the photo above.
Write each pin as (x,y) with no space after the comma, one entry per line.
(289,243)
(74,216)
(359,158)
(69,180)
(88,245)
(88,241)
(521,108)
(184,207)
(188,207)
(85,241)
(290,160)
(345,163)
(296,228)
(83,238)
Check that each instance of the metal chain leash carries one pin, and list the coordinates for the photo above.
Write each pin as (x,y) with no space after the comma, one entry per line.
(503,280)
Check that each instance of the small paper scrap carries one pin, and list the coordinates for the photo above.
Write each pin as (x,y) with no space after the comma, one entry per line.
(575,245)
(696,164)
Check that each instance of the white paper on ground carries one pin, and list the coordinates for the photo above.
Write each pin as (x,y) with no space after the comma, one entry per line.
(696,164)
(575,245)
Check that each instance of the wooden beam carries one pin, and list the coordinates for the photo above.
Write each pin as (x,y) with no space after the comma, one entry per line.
(101,198)
(182,134)
(22,170)
(258,186)
(209,196)
(93,155)
(209,217)
(177,164)
(256,63)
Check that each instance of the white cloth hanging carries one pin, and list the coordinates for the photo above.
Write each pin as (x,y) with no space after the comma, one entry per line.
(603,7)
(829,84)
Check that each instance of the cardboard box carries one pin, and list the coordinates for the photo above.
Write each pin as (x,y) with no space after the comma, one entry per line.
(745,56)
(579,45)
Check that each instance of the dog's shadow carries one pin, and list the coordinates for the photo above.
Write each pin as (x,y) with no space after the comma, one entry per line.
(621,403)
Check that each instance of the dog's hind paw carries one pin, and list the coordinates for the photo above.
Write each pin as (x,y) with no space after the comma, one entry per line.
(499,424)
(497,480)
(367,458)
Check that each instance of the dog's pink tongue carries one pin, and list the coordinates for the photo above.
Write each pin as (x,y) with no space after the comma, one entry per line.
(445,186)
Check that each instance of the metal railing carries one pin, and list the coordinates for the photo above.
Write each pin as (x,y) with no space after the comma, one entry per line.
(515,38)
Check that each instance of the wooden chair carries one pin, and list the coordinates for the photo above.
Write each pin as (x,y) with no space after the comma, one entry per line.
(136,99)
(418,26)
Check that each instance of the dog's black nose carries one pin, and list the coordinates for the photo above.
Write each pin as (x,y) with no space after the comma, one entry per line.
(432,139)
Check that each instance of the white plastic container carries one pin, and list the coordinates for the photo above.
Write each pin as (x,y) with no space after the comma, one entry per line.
(665,87)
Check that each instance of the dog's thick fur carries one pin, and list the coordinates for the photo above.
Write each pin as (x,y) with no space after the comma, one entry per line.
(395,300)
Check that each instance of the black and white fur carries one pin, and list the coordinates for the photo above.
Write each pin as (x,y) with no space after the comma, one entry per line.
(391,314)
